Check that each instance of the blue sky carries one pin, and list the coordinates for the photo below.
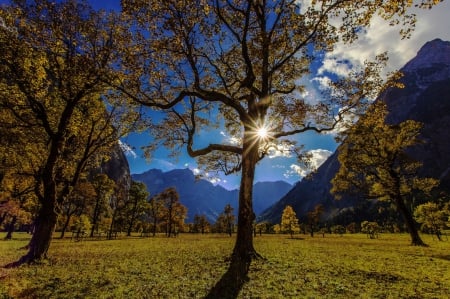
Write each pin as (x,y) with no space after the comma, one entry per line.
(378,38)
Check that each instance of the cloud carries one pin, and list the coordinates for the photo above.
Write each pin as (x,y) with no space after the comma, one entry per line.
(127,150)
(338,67)
(163,164)
(231,139)
(317,157)
(280,150)
(381,37)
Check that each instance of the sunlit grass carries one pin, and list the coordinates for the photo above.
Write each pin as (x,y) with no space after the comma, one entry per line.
(350,266)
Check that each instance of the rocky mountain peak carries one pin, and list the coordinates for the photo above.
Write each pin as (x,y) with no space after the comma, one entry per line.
(433,53)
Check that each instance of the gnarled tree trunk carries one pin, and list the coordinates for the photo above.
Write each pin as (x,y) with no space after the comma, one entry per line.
(45,224)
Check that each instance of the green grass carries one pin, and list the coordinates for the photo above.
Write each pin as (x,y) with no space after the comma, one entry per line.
(350,266)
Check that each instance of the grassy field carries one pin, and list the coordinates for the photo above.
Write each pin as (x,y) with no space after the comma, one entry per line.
(350,266)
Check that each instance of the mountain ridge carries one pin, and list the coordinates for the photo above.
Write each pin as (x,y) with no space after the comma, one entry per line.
(203,197)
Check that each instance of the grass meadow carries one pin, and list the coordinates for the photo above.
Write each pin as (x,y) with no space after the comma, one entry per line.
(348,266)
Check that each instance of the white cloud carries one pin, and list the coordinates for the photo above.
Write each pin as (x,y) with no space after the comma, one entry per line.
(231,139)
(127,150)
(338,67)
(163,164)
(318,156)
(280,150)
(323,81)
(381,37)
(196,171)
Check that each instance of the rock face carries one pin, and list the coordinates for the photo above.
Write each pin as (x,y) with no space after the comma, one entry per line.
(117,169)
(425,98)
(202,197)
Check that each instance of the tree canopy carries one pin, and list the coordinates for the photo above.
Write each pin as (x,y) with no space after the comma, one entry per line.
(55,100)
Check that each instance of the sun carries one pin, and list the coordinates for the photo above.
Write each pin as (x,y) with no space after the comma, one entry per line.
(262,133)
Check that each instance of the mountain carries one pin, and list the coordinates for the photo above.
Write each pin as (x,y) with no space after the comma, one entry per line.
(117,169)
(425,98)
(202,197)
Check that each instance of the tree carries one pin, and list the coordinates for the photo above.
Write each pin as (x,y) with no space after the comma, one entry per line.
(338,229)
(226,221)
(229,219)
(314,217)
(136,204)
(53,69)
(104,189)
(432,217)
(155,212)
(243,60)
(83,194)
(289,221)
(17,202)
(263,227)
(374,161)
(370,228)
(201,224)
(173,212)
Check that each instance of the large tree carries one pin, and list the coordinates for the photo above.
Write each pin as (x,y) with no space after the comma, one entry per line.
(374,163)
(242,61)
(54,60)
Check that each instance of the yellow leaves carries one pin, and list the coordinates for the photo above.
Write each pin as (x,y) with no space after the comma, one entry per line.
(289,221)
(374,160)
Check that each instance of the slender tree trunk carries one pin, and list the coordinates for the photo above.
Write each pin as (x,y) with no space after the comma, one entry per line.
(95,217)
(111,227)
(132,218)
(154,227)
(11,226)
(66,223)
(130,227)
(411,225)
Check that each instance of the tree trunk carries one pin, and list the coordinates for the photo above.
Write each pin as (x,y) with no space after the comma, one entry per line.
(111,227)
(130,227)
(45,224)
(11,226)
(243,251)
(95,216)
(411,225)
(66,224)
(154,227)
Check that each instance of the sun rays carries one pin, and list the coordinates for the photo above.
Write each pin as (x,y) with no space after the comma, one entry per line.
(262,133)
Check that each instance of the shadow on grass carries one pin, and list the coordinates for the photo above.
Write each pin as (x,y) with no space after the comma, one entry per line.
(295,238)
(227,287)
(442,257)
